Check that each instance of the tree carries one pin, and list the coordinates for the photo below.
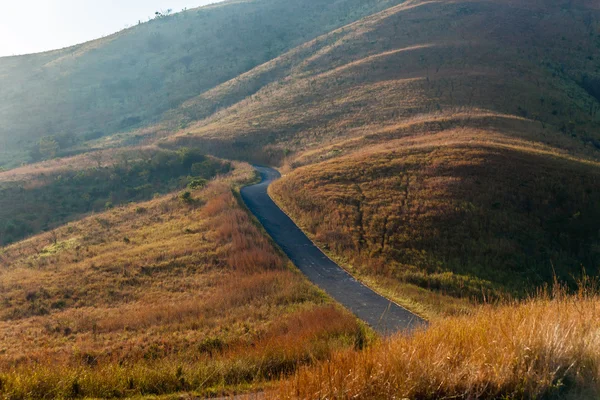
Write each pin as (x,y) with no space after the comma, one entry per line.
(163,14)
(187,62)
(197,183)
(48,147)
(97,157)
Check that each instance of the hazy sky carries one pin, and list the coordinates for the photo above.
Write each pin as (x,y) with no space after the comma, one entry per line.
(30,26)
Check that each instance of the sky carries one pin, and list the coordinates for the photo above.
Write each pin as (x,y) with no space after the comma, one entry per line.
(31,26)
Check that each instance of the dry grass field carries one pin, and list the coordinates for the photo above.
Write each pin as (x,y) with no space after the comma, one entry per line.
(156,298)
(545,348)
(464,213)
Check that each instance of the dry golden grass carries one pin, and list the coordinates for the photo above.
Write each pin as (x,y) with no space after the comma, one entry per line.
(420,58)
(547,347)
(157,298)
(465,213)
(95,159)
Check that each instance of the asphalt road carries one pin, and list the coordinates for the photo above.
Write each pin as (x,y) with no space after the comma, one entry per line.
(380,313)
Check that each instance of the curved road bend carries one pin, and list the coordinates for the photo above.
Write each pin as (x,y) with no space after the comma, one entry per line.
(381,314)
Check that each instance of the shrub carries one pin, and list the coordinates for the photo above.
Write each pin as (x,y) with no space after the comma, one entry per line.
(186,197)
(197,183)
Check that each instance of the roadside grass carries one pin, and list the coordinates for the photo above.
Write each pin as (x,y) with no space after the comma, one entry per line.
(157,298)
(546,347)
(463,214)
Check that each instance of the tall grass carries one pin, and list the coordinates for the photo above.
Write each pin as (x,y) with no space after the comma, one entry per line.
(546,347)
(195,300)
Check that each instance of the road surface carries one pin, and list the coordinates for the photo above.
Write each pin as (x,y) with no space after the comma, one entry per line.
(380,313)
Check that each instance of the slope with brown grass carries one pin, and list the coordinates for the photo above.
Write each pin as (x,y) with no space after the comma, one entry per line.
(534,60)
(41,197)
(156,298)
(464,212)
(547,347)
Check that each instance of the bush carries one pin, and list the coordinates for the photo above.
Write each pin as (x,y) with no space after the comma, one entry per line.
(186,197)
(197,183)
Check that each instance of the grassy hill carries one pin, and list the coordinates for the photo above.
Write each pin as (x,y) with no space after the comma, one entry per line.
(157,298)
(450,146)
(127,80)
(461,213)
(43,199)
(534,60)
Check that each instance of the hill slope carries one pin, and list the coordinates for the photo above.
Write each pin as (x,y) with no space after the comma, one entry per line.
(129,79)
(157,298)
(534,60)
(448,145)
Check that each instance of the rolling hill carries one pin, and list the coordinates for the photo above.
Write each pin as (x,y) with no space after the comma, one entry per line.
(52,103)
(427,145)
(446,152)
(537,61)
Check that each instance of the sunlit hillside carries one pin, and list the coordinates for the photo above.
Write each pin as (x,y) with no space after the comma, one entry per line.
(467,213)
(175,294)
(536,60)
(53,103)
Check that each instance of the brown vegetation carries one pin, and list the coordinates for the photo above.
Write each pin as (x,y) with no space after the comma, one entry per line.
(156,298)
(420,59)
(466,213)
(547,347)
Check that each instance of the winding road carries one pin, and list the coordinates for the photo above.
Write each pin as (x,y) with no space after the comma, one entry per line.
(381,314)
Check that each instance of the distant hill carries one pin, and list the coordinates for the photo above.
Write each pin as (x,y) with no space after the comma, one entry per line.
(535,60)
(130,79)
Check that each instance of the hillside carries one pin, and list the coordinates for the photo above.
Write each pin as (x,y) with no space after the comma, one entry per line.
(450,146)
(461,213)
(52,103)
(157,298)
(537,61)
(43,200)
(445,152)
